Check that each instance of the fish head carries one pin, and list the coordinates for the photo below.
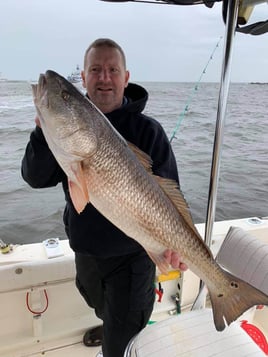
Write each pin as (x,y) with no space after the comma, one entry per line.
(65,116)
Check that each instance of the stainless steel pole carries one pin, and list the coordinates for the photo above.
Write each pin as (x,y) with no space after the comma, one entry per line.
(231,21)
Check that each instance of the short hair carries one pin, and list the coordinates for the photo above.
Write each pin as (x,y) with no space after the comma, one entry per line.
(105,42)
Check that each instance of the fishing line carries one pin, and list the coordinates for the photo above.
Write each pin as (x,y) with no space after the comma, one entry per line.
(195,89)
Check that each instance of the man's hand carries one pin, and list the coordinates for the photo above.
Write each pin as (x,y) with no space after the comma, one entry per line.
(173,259)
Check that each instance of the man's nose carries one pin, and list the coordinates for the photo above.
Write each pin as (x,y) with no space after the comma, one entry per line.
(104,75)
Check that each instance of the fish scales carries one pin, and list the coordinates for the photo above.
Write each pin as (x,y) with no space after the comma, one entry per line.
(127,200)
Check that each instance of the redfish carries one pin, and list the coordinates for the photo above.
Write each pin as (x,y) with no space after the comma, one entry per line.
(116,178)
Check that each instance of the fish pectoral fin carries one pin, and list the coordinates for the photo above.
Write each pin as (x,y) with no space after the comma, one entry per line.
(79,198)
(78,189)
(160,261)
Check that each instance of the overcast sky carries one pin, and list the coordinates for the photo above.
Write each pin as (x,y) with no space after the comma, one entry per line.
(162,42)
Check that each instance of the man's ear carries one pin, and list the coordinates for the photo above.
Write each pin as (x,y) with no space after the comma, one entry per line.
(83,78)
(127,78)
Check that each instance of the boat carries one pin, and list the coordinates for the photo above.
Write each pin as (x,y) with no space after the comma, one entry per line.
(2,79)
(42,312)
(75,76)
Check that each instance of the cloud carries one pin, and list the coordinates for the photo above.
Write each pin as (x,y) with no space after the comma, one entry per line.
(162,42)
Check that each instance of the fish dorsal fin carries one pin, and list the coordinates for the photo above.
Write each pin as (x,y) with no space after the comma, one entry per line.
(143,158)
(170,187)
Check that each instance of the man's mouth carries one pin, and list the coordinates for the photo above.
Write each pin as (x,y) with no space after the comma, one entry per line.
(104,89)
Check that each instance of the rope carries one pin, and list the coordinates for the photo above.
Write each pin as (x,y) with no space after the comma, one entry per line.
(186,108)
(37,312)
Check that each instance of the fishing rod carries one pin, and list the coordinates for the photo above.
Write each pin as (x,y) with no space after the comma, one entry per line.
(186,108)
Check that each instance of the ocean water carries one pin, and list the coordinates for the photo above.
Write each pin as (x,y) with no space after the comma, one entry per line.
(32,215)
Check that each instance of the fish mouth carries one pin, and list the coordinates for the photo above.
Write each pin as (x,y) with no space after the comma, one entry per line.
(42,80)
(40,92)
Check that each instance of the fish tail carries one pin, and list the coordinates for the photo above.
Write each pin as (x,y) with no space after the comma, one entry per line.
(236,297)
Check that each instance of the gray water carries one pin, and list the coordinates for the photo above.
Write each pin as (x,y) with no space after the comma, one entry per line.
(32,215)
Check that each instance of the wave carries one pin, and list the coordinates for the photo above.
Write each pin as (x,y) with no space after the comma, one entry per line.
(32,231)
(10,130)
(14,107)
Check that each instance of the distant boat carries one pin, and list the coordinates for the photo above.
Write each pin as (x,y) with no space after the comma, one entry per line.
(2,79)
(259,83)
(75,76)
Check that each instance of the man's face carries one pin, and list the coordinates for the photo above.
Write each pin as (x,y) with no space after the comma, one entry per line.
(105,78)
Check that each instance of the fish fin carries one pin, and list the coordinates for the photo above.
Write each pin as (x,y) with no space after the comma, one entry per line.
(78,188)
(232,302)
(171,189)
(169,186)
(160,261)
(143,158)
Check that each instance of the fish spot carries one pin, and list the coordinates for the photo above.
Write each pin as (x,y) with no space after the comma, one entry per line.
(234,284)
(220,295)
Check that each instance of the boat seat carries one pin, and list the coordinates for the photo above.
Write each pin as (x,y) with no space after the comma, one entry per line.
(245,257)
(193,334)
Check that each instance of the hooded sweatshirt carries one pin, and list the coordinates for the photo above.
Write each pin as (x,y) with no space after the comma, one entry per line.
(90,232)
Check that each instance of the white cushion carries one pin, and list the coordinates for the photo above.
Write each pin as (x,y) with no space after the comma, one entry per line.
(192,334)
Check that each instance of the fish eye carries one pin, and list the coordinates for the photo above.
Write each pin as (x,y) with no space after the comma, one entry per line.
(65,95)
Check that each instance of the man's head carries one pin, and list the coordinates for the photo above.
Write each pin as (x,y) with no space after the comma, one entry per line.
(105,75)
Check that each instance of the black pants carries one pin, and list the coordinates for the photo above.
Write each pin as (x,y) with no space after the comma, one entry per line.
(121,290)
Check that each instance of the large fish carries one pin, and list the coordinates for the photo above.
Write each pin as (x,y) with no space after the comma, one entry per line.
(116,177)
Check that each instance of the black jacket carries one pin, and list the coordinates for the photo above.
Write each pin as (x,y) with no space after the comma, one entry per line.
(90,232)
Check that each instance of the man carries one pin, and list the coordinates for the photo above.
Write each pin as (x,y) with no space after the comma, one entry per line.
(114,274)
